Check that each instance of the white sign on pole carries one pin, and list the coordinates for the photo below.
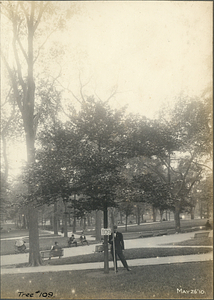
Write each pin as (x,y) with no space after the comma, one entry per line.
(105,231)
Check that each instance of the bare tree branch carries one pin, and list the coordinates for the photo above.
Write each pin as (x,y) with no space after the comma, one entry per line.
(67,89)
(169,166)
(8,94)
(19,69)
(187,170)
(20,44)
(112,95)
(24,10)
(41,11)
(81,89)
(194,181)
(43,45)
(14,85)
(156,171)
(202,165)
(3,132)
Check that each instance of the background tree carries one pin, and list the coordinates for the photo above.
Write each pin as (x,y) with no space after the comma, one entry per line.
(191,120)
(126,207)
(203,196)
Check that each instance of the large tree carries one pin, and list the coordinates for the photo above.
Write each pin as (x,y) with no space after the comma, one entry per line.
(181,145)
(28,40)
(92,153)
(190,124)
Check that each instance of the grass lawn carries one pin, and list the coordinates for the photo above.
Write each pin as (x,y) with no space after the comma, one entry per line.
(196,242)
(45,243)
(184,280)
(130,254)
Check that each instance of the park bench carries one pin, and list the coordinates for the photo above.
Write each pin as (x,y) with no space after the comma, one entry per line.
(52,253)
(159,232)
(146,234)
(201,235)
(100,248)
(171,231)
(162,232)
(198,228)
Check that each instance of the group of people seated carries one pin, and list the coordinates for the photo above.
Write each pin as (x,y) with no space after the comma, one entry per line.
(72,240)
(55,249)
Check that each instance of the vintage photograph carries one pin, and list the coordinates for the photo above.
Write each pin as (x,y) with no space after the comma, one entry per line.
(106,150)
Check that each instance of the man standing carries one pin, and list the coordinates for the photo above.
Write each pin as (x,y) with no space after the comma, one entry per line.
(117,245)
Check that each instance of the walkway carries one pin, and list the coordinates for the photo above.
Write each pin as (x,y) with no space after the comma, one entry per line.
(100,265)
(152,242)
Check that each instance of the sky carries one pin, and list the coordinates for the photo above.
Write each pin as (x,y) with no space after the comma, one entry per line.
(151,52)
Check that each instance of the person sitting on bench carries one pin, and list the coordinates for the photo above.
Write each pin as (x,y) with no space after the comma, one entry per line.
(208,226)
(72,240)
(83,238)
(54,248)
(20,245)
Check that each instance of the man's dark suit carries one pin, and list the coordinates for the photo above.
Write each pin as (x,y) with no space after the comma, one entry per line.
(119,247)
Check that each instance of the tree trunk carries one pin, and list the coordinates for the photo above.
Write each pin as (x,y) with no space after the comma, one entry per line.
(24,222)
(201,211)
(161,215)
(98,225)
(121,218)
(208,211)
(154,213)
(84,223)
(138,219)
(142,218)
(177,218)
(138,215)
(74,223)
(89,220)
(34,254)
(55,219)
(112,217)
(126,227)
(192,213)
(65,223)
(27,221)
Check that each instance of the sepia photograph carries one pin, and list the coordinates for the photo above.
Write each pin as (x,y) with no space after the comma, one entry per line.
(106,150)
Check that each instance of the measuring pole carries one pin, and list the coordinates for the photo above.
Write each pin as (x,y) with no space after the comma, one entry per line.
(114,254)
(106,265)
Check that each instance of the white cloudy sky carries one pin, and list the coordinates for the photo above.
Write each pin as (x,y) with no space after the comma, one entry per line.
(153,51)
